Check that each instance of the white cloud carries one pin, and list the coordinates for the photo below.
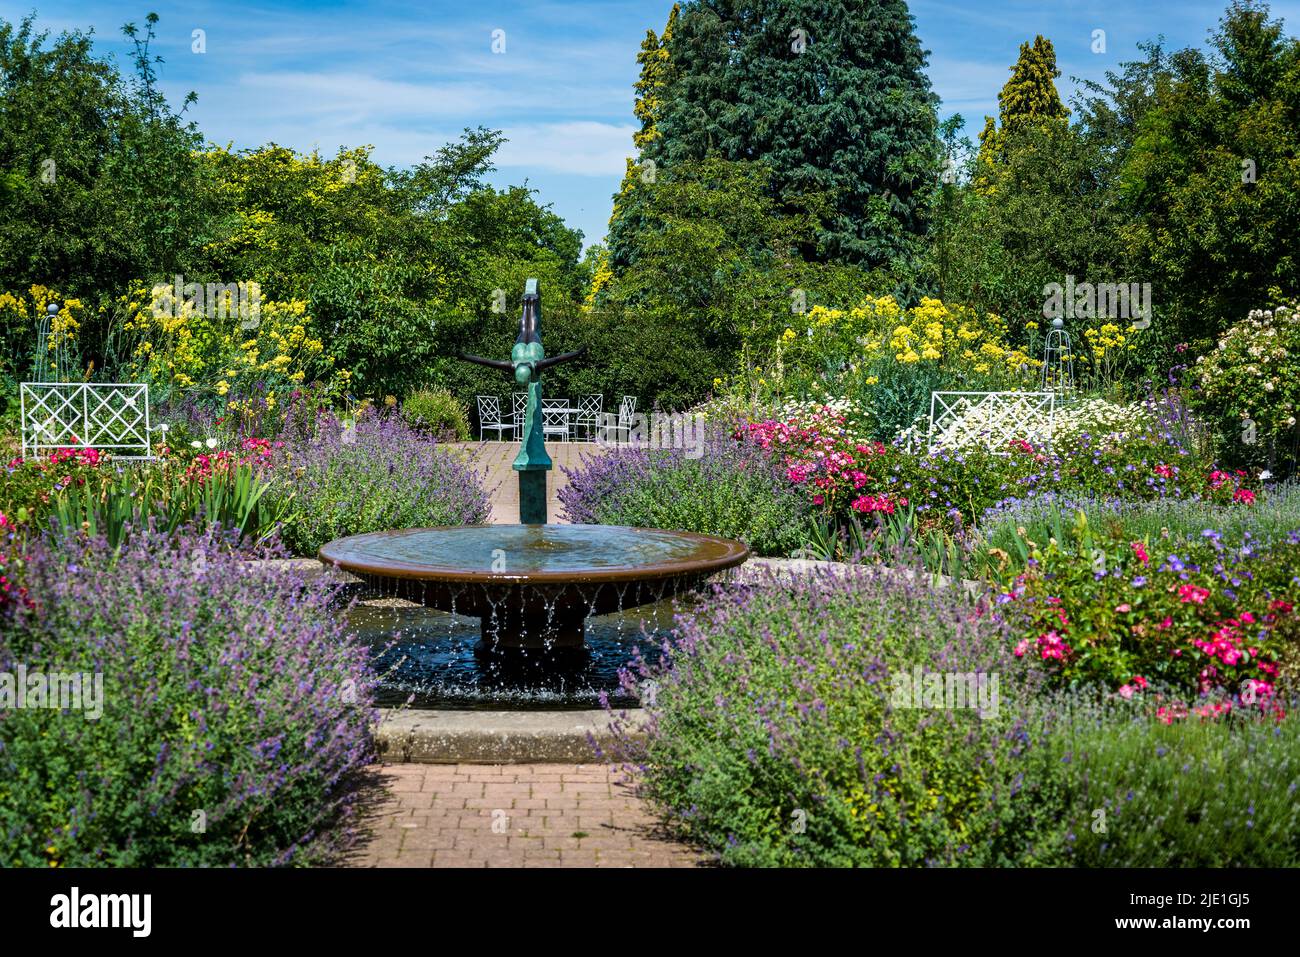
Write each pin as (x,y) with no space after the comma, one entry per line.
(583,147)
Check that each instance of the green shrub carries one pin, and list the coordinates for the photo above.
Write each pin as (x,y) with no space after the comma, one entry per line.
(732,489)
(775,737)
(222,716)
(375,475)
(438,413)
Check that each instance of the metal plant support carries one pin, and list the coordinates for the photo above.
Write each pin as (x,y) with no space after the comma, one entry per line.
(1058,359)
(109,416)
(51,362)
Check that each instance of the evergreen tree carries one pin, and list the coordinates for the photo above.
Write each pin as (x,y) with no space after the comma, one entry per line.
(656,70)
(1028,101)
(832,96)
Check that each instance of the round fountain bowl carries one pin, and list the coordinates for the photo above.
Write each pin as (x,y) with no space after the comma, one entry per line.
(533,586)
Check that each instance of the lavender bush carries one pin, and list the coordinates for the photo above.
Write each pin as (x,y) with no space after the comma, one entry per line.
(775,737)
(733,489)
(235,710)
(376,475)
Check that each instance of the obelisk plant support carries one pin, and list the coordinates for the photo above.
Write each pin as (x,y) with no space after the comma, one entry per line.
(527,361)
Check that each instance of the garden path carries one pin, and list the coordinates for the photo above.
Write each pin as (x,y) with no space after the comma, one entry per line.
(513,815)
(503,484)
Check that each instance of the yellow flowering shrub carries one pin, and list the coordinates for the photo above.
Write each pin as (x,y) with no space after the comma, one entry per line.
(1108,346)
(176,345)
(952,337)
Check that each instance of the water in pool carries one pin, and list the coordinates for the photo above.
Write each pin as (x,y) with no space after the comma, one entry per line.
(435,659)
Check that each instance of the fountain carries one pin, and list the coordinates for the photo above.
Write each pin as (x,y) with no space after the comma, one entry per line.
(534,585)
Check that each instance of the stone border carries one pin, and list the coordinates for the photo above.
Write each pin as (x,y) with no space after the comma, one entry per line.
(495,737)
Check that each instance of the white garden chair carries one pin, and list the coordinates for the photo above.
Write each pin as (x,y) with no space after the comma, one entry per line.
(520,411)
(588,418)
(626,411)
(489,418)
(556,418)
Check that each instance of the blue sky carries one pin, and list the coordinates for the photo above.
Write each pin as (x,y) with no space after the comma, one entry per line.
(407,77)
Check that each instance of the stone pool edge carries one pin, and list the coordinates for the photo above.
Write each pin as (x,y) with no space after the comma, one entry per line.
(409,736)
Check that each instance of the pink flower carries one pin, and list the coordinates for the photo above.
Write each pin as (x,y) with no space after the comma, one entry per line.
(1140,551)
(873,503)
(1193,593)
(1244,495)
(1123,609)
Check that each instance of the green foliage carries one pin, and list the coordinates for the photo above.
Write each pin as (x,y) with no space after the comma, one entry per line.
(1037,215)
(1172,520)
(437,412)
(729,490)
(1028,101)
(80,491)
(94,168)
(370,476)
(757,748)
(233,498)
(1212,172)
(716,266)
(223,718)
(792,85)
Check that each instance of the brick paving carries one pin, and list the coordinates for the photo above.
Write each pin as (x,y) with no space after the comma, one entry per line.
(503,482)
(513,815)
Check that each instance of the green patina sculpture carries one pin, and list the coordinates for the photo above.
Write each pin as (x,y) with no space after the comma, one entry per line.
(527,360)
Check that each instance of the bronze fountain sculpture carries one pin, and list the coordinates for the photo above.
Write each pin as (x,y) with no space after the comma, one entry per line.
(527,362)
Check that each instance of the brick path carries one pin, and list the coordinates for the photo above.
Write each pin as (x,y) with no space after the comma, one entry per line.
(503,482)
(513,815)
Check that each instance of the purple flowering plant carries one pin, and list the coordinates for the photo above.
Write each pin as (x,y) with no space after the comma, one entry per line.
(377,473)
(235,717)
(775,735)
(734,489)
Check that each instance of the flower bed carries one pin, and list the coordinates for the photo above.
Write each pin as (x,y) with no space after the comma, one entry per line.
(777,736)
(235,711)
(732,490)
(774,737)
(1198,616)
